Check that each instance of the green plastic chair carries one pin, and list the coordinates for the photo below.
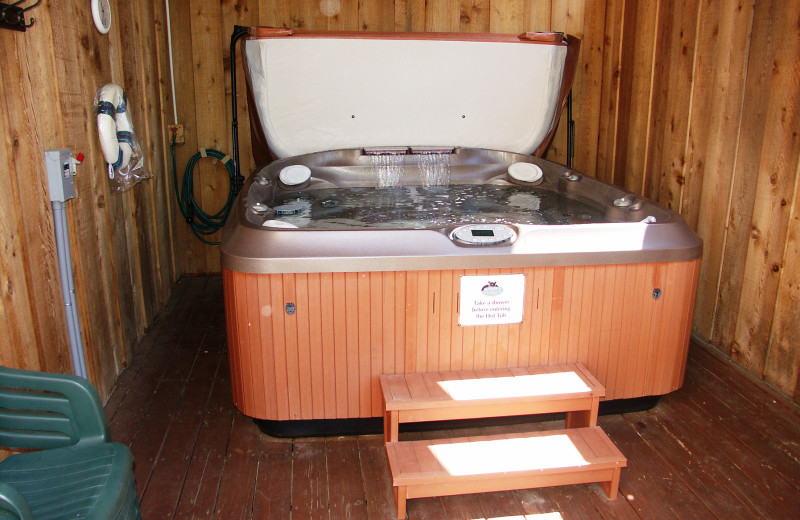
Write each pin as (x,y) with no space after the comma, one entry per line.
(77,473)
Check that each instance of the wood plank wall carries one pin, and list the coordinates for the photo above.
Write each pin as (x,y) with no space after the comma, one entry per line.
(692,103)
(121,243)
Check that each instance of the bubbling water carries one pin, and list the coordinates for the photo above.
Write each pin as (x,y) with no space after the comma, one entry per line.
(421,207)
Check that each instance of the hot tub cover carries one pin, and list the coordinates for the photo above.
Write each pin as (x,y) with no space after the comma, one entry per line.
(316,91)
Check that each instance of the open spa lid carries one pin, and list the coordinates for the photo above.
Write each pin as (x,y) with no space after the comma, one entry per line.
(316,91)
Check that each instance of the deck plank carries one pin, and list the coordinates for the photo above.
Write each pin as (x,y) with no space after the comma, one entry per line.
(423,508)
(309,480)
(143,350)
(179,443)
(756,408)
(648,483)
(500,504)
(575,502)
(768,401)
(462,507)
(237,485)
(753,479)
(147,369)
(774,445)
(126,422)
(273,498)
(376,478)
(696,462)
(346,493)
(202,481)
(148,440)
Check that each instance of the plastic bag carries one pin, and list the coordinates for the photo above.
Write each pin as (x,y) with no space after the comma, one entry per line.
(121,150)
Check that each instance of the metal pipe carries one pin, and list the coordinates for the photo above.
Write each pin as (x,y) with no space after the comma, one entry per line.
(238,33)
(68,289)
(74,304)
(171,67)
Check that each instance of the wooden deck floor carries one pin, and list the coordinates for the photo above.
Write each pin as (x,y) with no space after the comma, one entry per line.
(721,447)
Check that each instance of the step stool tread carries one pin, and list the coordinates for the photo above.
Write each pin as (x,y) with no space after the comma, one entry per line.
(468,388)
(504,455)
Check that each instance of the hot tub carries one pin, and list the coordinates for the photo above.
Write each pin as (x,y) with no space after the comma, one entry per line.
(346,262)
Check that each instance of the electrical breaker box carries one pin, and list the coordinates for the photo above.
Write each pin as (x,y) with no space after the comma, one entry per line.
(59,174)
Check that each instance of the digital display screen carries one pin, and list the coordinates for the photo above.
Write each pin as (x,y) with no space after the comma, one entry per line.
(482,233)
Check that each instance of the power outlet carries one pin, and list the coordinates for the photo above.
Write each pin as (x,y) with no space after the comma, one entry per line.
(176,132)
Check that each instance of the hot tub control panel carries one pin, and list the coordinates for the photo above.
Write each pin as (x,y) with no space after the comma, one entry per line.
(483,235)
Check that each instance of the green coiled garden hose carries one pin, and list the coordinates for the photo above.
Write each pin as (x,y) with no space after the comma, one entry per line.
(204,224)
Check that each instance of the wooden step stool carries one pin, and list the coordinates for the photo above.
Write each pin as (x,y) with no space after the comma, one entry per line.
(502,462)
(582,453)
(439,396)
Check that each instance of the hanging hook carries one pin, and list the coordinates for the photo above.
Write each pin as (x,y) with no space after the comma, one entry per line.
(6,8)
(22,14)
(13,17)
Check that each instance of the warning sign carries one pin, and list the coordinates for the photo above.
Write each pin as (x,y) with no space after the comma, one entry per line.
(491,299)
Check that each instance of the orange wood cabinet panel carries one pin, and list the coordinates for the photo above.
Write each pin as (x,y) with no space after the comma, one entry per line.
(323,361)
